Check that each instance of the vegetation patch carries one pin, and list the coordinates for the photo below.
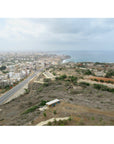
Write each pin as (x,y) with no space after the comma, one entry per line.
(27,91)
(44,114)
(54,112)
(31,109)
(43,103)
(84,84)
(62,77)
(109,74)
(103,87)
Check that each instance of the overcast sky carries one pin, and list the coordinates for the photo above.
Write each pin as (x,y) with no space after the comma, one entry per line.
(56,34)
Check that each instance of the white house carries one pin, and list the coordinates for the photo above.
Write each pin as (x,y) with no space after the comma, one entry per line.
(53,103)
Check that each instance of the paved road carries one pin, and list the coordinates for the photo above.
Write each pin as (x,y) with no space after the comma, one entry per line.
(11,92)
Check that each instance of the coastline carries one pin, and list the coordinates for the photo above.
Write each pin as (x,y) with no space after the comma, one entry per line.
(64,60)
(72,61)
(88,56)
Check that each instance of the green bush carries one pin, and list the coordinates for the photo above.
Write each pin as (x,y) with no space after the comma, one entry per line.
(46,84)
(49,124)
(47,80)
(62,77)
(27,91)
(110,82)
(73,79)
(39,89)
(84,84)
(62,122)
(96,80)
(55,122)
(88,72)
(103,87)
(97,86)
(43,103)
(54,73)
(44,114)
(92,118)
(101,80)
(71,99)
(2,68)
(31,109)
(54,112)
(109,74)
(70,119)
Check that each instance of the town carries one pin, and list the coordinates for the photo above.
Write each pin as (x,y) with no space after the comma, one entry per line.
(57,93)
(15,67)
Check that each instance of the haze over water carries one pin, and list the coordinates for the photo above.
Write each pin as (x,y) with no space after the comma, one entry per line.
(89,56)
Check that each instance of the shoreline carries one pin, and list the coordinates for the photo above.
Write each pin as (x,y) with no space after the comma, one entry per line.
(67,60)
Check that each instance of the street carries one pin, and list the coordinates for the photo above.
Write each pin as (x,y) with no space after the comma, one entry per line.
(11,92)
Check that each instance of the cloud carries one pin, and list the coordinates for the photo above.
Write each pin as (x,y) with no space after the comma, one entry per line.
(20,29)
(47,33)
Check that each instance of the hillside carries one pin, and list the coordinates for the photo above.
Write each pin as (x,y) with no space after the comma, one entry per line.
(82,102)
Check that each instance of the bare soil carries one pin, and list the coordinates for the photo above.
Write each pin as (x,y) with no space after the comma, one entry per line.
(86,105)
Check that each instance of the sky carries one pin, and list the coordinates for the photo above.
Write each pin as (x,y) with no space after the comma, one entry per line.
(85,34)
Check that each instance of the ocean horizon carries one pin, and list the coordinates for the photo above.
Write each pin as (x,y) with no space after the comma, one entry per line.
(89,56)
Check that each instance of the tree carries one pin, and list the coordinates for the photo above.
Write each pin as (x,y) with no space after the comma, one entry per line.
(2,68)
(109,74)
(88,72)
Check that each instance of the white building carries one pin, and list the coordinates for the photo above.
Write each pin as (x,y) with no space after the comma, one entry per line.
(53,103)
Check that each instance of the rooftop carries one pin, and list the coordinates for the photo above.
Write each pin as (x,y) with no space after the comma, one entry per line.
(53,101)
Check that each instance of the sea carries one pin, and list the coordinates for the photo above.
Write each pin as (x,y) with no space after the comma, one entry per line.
(88,56)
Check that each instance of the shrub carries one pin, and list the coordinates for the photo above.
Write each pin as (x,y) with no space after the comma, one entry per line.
(73,79)
(97,86)
(54,112)
(1,119)
(81,123)
(103,87)
(55,121)
(84,84)
(54,73)
(49,124)
(110,82)
(47,80)
(31,109)
(71,99)
(67,83)
(44,114)
(27,91)
(88,72)
(39,89)
(42,103)
(45,84)
(70,119)
(100,119)
(96,80)
(62,122)
(62,77)
(2,68)
(101,80)
(92,118)
(110,73)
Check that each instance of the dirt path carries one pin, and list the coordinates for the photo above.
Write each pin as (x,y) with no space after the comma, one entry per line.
(51,120)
